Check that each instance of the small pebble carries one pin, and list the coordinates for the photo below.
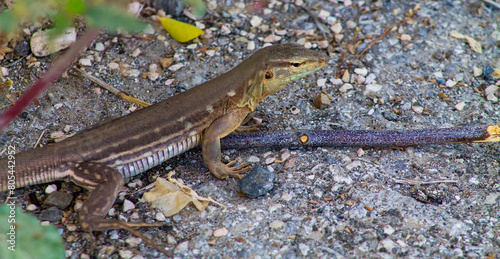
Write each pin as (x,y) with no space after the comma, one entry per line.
(250,45)
(125,254)
(323,14)
(221,232)
(345,87)
(270,160)
(255,21)
(336,81)
(182,247)
(175,67)
(99,46)
(276,224)
(253,159)
(389,230)
(256,183)
(417,109)
(372,88)
(136,53)
(272,38)
(450,83)
(346,77)
(477,71)
(51,188)
(31,207)
(304,249)
(133,241)
(370,78)
(336,28)
(361,71)
(460,106)
(405,37)
(128,205)
(160,216)
(321,82)
(114,65)
(322,101)
(85,62)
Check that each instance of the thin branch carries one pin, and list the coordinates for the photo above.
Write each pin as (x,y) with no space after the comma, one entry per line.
(112,89)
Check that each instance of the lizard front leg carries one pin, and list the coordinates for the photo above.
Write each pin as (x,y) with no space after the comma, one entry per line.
(105,183)
(220,128)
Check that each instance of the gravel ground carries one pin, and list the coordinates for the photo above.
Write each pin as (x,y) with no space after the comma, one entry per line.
(326,202)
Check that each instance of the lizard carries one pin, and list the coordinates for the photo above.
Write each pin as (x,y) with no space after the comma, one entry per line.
(101,157)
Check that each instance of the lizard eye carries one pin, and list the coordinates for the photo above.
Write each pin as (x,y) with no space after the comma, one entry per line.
(269,74)
(295,64)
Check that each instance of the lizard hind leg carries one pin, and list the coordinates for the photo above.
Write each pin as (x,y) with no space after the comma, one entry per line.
(105,183)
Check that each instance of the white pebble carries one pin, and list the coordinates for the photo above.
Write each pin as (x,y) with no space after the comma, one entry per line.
(336,28)
(345,87)
(51,188)
(221,232)
(477,71)
(276,224)
(460,106)
(114,65)
(271,38)
(417,109)
(250,45)
(405,37)
(321,82)
(175,67)
(253,159)
(370,78)
(134,73)
(153,76)
(85,62)
(372,88)
(128,205)
(336,81)
(255,21)
(450,83)
(361,71)
(133,241)
(31,207)
(323,14)
(99,46)
(136,53)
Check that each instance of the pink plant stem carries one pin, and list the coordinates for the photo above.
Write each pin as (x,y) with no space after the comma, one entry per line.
(60,65)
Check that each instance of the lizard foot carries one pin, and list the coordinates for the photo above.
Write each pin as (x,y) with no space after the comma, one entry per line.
(224,171)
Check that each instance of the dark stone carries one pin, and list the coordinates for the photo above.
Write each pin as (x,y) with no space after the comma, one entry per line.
(256,183)
(51,214)
(60,200)
(22,49)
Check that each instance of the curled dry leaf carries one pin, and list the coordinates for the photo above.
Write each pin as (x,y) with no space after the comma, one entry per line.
(171,196)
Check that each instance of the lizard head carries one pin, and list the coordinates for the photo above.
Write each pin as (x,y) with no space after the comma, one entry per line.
(282,65)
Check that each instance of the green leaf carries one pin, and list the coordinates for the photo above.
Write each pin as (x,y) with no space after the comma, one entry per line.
(8,21)
(31,239)
(113,18)
(76,6)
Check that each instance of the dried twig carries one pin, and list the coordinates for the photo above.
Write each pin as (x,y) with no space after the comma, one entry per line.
(112,89)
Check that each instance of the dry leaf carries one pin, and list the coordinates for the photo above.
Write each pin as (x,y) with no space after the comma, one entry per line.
(171,196)
(181,32)
(475,46)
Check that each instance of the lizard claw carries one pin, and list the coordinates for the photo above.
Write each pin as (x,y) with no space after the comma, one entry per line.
(224,171)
